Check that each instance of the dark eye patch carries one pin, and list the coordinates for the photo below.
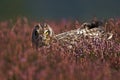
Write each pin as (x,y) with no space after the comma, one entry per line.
(36,33)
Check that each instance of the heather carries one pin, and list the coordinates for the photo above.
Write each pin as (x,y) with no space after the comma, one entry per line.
(90,59)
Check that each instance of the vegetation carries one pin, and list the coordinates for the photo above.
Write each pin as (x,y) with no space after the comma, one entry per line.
(90,60)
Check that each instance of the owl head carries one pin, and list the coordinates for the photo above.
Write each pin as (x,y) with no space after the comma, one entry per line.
(41,35)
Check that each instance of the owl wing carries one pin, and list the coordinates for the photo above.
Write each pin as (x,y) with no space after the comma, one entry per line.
(71,38)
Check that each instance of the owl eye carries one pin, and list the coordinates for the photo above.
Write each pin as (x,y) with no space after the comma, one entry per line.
(47,32)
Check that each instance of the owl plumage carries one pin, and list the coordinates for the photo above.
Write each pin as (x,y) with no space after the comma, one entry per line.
(69,38)
(94,30)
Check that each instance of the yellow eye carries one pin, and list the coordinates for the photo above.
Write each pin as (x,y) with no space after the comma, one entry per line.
(46,32)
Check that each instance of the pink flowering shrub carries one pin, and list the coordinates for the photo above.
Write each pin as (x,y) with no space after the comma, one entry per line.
(91,60)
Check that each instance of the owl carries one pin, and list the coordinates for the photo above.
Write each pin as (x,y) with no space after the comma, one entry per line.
(41,35)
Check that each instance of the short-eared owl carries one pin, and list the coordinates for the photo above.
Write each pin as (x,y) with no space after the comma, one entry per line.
(43,34)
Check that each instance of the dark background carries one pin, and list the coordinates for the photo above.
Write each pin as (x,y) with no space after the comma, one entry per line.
(58,9)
